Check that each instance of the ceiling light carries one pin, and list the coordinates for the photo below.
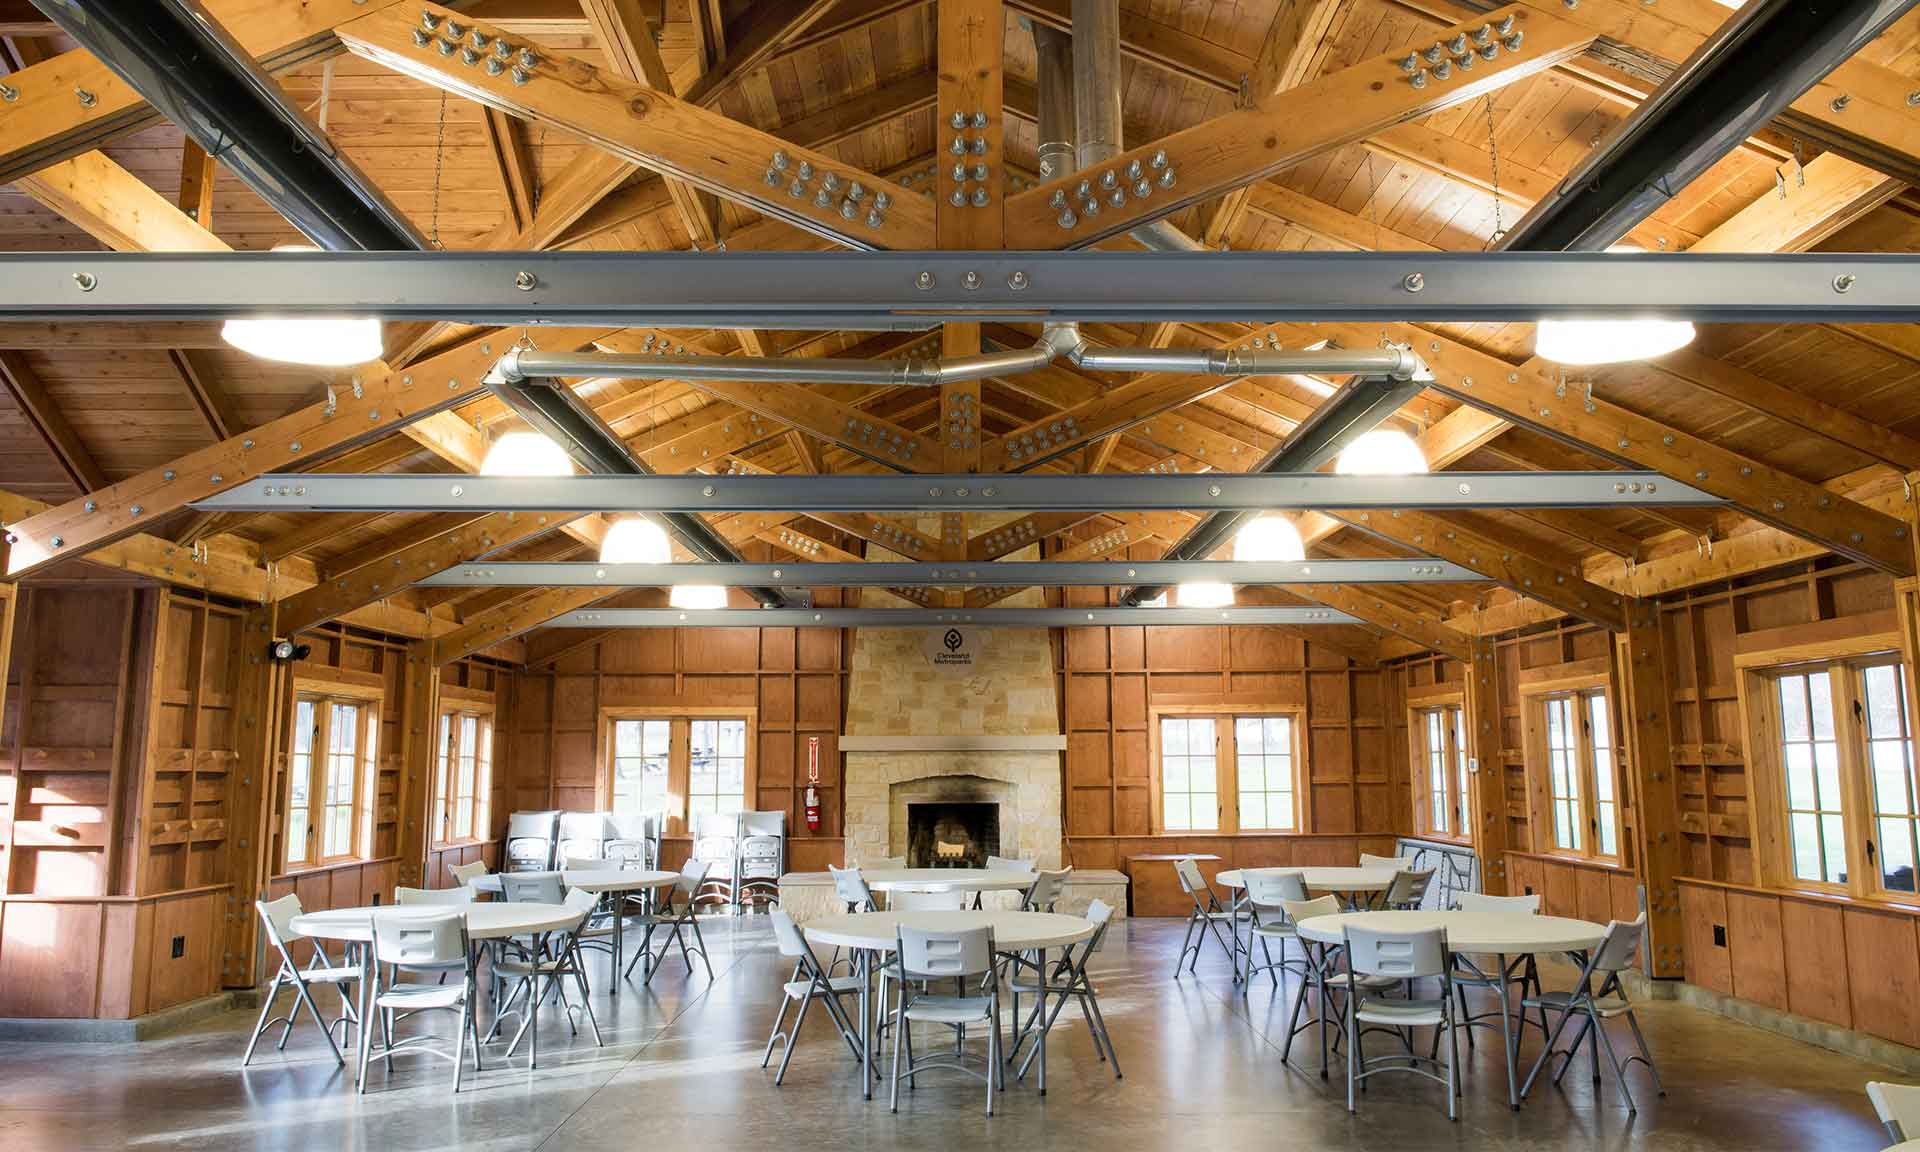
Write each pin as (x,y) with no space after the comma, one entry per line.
(526,454)
(1159,601)
(701,596)
(1270,539)
(635,540)
(320,340)
(1203,595)
(1381,452)
(1609,341)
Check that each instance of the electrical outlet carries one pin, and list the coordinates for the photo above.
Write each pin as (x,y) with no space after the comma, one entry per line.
(1719,935)
(179,947)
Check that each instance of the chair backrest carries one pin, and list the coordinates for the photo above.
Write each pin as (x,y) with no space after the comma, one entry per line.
(787,935)
(468,873)
(582,834)
(933,955)
(403,938)
(769,823)
(533,825)
(1898,1106)
(1009,864)
(582,864)
(432,896)
(1621,948)
(1100,915)
(634,840)
(532,887)
(1269,887)
(1188,870)
(531,837)
(851,887)
(1045,890)
(1397,863)
(926,901)
(716,826)
(1481,902)
(1408,887)
(278,916)
(1298,910)
(581,901)
(692,874)
(1401,955)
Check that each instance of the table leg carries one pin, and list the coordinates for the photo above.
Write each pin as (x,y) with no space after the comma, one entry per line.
(1502,989)
(1320,1009)
(1041,959)
(619,944)
(368,977)
(863,965)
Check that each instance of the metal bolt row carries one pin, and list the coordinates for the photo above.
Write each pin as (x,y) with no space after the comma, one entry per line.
(475,48)
(1053,435)
(963,422)
(964,170)
(1441,58)
(1111,186)
(851,195)
(894,445)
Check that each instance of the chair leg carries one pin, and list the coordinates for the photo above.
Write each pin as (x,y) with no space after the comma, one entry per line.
(1453,1066)
(1353,1050)
(1100,1022)
(700,944)
(1619,1073)
(793,1039)
(1646,1057)
(460,1044)
(1552,1039)
(306,997)
(899,1031)
(1185,943)
(586,998)
(779,1020)
(260,1024)
(993,1059)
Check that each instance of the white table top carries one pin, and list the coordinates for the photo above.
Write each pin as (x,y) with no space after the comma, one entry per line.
(1506,933)
(484,921)
(1012,931)
(947,879)
(593,880)
(1325,879)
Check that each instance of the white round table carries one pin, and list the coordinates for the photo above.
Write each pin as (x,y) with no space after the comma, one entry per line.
(1501,934)
(975,880)
(868,933)
(603,881)
(484,921)
(1324,879)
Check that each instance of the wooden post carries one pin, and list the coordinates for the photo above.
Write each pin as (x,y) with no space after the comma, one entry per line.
(259,710)
(1488,796)
(1658,847)
(419,719)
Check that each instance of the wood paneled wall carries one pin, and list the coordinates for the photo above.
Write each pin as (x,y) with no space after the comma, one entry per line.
(1113,679)
(794,679)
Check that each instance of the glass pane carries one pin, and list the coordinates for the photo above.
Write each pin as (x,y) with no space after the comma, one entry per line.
(626,738)
(1890,776)
(1609,834)
(297,836)
(1247,735)
(1253,810)
(733,738)
(1793,707)
(1833,837)
(1174,813)
(1826,762)
(1800,776)
(303,728)
(1597,717)
(1201,771)
(299,775)
(1562,835)
(1806,846)
(733,777)
(1206,811)
(1173,774)
(1556,730)
(1173,737)
(1883,701)
(463,819)
(1279,736)
(1280,810)
(1896,855)
(1574,824)
(703,782)
(656,737)
(1820,691)
(1253,778)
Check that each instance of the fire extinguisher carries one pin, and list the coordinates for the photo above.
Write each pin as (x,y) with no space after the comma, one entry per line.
(813,778)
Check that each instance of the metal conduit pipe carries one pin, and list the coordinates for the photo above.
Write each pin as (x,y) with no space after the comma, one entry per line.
(1760,60)
(187,66)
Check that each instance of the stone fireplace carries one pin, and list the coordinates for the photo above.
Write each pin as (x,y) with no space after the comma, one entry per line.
(925,731)
(952,833)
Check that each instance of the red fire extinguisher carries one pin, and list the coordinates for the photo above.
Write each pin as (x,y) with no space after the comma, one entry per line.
(813,778)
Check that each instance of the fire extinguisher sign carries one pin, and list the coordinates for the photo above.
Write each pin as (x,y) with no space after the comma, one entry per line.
(813,780)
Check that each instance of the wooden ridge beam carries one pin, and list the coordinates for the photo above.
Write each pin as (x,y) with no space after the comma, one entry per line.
(380,579)
(39,411)
(114,206)
(652,129)
(512,618)
(1240,147)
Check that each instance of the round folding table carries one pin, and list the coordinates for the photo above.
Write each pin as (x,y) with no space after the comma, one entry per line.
(605,881)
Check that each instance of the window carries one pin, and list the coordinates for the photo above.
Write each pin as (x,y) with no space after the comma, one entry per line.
(329,776)
(1442,753)
(682,766)
(1575,774)
(1228,773)
(1842,776)
(463,779)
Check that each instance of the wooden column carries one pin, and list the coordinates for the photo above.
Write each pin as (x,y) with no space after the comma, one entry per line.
(419,719)
(1488,796)
(259,706)
(1658,849)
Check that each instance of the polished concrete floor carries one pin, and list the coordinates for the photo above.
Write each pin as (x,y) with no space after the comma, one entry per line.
(680,1073)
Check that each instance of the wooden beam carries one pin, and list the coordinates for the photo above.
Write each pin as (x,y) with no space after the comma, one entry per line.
(769,26)
(385,577)
(969,211)
(1253,143)
(1286,54)
(1328,222)
(209,398)
(1827,194)
(806,452)
(313,530)
(511,619)
(507,149)
(1131,404)
(1659,848)
(38,410)
(1791,407)
(197,171)
(114,206)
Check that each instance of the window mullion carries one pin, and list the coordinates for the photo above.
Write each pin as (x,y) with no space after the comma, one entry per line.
(1226,773)
(319,778)
(1856,804)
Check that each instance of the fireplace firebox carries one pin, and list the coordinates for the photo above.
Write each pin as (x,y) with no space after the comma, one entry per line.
(952,834)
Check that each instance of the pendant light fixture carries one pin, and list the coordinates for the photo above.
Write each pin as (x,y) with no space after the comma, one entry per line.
(1580,341)
(697,596)
(1269,539)
(526,454)
(635,540)
(1382,452)
(328,341)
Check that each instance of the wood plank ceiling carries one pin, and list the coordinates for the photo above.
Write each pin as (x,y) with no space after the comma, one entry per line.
(855,79)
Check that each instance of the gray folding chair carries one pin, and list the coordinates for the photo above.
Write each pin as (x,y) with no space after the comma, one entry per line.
(543,972)
(466,874)
(531,838)
(1268,890)
(1520,970)
(1045,891)
(1400,956)
(851,887)
(808,983)
(963,957)
(444,897)
(1206,917)
(1898,1106)
(1069,980)
(410,942)
(676,914)
(1617,953)
(583,836)
(276,918)
(633,841)
(1408,889)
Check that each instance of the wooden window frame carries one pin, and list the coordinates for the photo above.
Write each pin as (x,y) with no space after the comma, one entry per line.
(1577,680)
(1226,767)
(1442,697)
(328,687)
(455,706)
(1843,648)
(679,754)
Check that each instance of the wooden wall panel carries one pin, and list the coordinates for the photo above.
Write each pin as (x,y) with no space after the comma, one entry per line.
(1883,974)
(1703,912)
(1757,949)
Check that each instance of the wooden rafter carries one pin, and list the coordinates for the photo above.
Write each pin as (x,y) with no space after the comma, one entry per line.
(43,415)
(209,398)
